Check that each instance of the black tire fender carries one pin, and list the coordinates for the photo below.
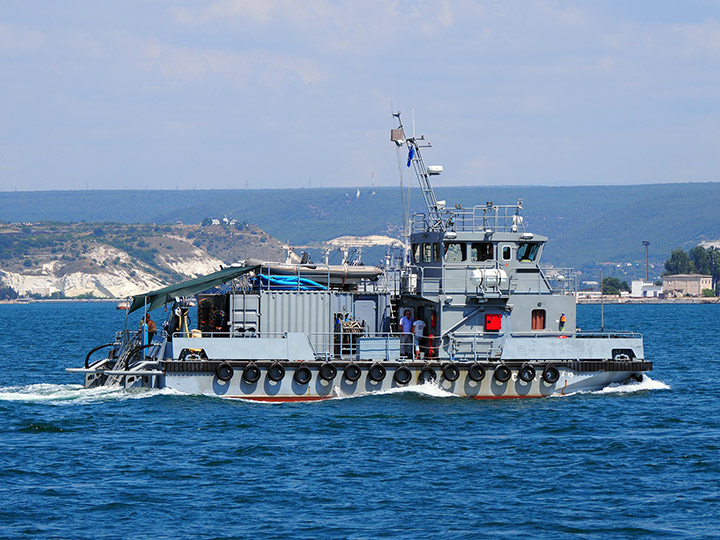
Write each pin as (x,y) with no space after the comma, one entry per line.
(251,373)
(276,372)
(502,373)
(450,371)
(328,371)
(352,372)
(476,372)
(526,373)
(377,372)
(302,374)
(224,371)
(402,375)
(550,374)
(427,375)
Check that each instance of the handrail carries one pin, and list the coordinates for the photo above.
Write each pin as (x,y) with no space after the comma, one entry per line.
(479,218)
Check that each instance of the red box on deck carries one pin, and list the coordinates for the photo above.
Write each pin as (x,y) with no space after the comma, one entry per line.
(493,322)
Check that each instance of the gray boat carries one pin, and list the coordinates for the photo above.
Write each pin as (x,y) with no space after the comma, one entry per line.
(467,308)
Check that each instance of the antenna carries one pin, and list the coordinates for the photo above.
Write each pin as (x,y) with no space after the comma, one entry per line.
(602,303)
(435,209)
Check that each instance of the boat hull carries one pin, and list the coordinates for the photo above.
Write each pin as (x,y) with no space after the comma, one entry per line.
(212,377)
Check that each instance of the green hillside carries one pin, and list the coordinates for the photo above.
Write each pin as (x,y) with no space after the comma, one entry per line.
(586,224)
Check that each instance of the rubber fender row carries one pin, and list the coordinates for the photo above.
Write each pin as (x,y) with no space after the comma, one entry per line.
(526,373)
(276,372)
(377,372)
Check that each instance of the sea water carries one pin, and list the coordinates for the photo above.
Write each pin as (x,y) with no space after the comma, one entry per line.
(638,461)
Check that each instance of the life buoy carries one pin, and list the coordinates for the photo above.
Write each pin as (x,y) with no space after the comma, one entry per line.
(376,372)
(526,373)
(502,373)
(550,374)
(476,372)
(224,371)
(352,372)
(302,374)
(276,372)
(450,372)
(427,375)
(402,375)
(328,371)
(251,373)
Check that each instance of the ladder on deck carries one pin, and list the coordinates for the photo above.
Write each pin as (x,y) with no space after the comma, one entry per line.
(129,350)
(435,220)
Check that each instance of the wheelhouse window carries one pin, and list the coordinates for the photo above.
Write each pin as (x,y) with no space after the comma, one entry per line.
(506,253)
(481,251)
(455,252)
(416,253)
(430,252)
(527,251)
(538,319)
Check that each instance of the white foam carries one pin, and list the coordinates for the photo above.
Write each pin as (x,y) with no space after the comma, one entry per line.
(59,394)
(427,389)
(646,384)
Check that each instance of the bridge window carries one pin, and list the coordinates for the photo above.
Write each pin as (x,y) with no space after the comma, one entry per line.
(527,251)
(506,253)
(481,251)
(538,319)
(416,253)
(455,252)
(430,252)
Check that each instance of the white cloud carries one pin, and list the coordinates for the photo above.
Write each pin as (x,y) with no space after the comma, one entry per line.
(16,39)
(199,65)
(256,11)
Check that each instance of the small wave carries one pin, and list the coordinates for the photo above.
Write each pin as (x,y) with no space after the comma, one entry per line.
(59,394)
(428,389)
(646,384)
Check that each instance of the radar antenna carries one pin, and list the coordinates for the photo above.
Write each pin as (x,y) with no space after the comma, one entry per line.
(423,173)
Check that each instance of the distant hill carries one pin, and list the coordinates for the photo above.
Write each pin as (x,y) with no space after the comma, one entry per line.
(585,224)
(117,259)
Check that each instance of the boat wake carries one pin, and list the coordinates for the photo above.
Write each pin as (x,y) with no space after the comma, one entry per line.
(62,394)
(647,384)
(427,390)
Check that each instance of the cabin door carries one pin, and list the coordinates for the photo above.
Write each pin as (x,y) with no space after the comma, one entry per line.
(538,319)
(366,310)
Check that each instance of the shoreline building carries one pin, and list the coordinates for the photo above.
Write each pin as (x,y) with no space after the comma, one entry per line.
(686,284)
(645,289)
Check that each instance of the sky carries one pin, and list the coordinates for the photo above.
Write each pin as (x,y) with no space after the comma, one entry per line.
(177,94)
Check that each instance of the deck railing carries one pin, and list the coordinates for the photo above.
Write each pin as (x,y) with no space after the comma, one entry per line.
(480,218)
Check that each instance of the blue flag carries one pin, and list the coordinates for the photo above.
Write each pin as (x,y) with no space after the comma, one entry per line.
(411,154)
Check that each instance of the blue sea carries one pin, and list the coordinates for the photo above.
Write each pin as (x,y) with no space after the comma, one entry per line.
(641,461)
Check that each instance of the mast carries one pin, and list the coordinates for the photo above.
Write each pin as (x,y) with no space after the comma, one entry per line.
(434,207)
